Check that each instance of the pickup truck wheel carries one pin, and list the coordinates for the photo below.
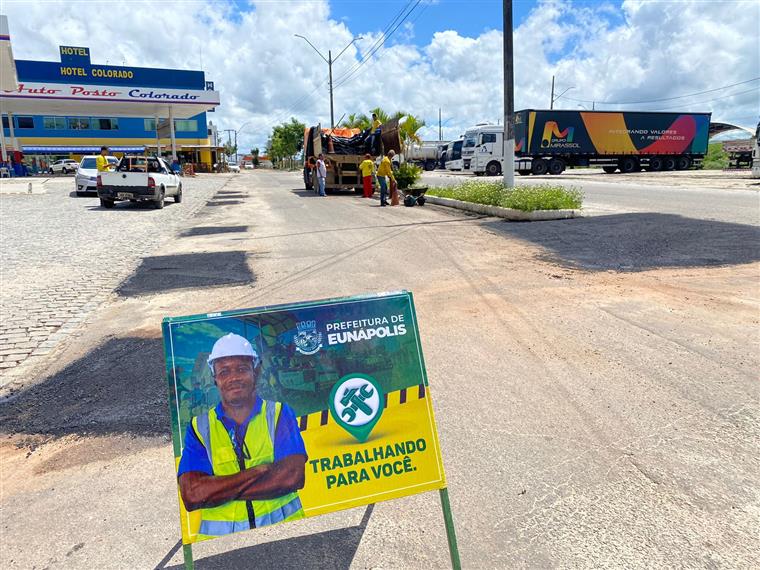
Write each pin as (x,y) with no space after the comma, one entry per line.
(106,203)
(540,166)
(159,202)
(178,195)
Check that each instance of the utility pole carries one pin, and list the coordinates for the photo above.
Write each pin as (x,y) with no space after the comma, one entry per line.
(440,131)
(551,104)
(509,99)
(329,61)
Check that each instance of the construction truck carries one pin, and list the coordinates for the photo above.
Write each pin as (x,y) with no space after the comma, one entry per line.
(344,150)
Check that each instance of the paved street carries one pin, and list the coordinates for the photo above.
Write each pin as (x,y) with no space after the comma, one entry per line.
(62,256)
(594,380)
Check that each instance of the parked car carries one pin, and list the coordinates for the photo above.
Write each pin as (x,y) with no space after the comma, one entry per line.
(86,179)
(234,167)
(139,179)
(248,165)
(63,166)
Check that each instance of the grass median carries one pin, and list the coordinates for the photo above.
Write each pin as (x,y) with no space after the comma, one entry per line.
(525,198)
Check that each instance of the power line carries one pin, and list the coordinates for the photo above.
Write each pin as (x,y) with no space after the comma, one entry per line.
(383,40)
(659,100)
(757,89)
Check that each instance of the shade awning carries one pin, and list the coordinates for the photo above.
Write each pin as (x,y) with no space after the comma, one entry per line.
(70,99)
(78,149)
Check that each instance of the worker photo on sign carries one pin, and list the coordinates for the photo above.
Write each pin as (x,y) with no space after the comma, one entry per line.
(243,459)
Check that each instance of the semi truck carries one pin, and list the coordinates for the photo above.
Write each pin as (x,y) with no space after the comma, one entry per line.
(482,149)
(756,154)
(625,141)
(425,155)
(453,159)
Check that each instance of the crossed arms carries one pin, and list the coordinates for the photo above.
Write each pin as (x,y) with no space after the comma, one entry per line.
(261,482)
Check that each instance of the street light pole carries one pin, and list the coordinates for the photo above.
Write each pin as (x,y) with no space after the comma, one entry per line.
(329,61)
(509,99)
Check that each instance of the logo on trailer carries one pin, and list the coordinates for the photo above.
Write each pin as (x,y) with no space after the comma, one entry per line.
(308,339)
(552,133)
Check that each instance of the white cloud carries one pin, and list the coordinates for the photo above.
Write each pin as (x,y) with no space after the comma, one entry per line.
(651,50)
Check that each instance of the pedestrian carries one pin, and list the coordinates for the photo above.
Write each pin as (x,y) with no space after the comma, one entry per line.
(367,167)
(102,161)
(374,139)
(384,170)
(321,174)
(244,459)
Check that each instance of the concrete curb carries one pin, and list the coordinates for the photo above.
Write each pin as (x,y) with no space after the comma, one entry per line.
(25,185)
(506,213)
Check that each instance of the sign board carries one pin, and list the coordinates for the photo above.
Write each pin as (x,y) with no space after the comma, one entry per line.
(349,419)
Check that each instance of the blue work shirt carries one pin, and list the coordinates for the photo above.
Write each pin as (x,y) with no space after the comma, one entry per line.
(287,439)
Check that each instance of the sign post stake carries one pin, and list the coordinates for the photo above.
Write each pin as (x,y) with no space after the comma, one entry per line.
(451,533)
(187,552)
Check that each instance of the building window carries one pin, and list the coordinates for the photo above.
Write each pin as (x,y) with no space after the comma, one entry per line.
(54,123)
(79,123)
(5,122)
(24,122)
(106,124)
(150,124)
(185,125)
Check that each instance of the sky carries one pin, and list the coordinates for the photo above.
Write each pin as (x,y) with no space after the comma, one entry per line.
(420,56)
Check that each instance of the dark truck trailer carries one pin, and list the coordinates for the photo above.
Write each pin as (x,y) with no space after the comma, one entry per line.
(550,141)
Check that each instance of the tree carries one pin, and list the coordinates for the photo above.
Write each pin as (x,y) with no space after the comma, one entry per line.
(286,141)
(230,149)
(255,156)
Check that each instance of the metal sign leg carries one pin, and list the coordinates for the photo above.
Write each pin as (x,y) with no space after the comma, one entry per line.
(450,530)
(187,552)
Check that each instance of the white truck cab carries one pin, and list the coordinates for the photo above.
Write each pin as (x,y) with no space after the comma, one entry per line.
(483,149)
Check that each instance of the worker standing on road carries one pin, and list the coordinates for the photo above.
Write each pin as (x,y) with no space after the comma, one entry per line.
(321,174)
(102,161)
(243,460)
(385,169)
(367,167)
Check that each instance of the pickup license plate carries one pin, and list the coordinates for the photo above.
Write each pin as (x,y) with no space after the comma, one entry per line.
(124,195)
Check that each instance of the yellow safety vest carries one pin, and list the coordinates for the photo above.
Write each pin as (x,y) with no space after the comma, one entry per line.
(259,439)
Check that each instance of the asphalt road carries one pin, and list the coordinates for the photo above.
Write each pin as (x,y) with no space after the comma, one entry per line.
(702,197)
(594,381)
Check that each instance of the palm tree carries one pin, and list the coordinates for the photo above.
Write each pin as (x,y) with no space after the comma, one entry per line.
(354,121)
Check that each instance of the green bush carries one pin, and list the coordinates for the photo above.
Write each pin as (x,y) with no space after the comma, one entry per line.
(716,158)
(407,174)
(525,198)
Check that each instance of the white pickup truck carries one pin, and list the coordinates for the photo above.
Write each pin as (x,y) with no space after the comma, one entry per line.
(139,179)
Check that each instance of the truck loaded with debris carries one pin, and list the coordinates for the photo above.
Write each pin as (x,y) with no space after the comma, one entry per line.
(344,150)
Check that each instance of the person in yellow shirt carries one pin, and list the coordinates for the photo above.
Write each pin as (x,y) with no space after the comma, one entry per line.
(102,160)
(375,122)
(367,167)
(385,169)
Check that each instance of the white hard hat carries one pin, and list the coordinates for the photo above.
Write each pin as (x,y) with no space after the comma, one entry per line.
(231,345)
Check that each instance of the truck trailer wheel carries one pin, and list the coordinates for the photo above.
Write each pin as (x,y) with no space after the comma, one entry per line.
(540,167)
(429,165)
(669,163)
(683,163)
(609,169)
(523,172)
(628,165)
(556,166)
(493,168)
(655,164)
